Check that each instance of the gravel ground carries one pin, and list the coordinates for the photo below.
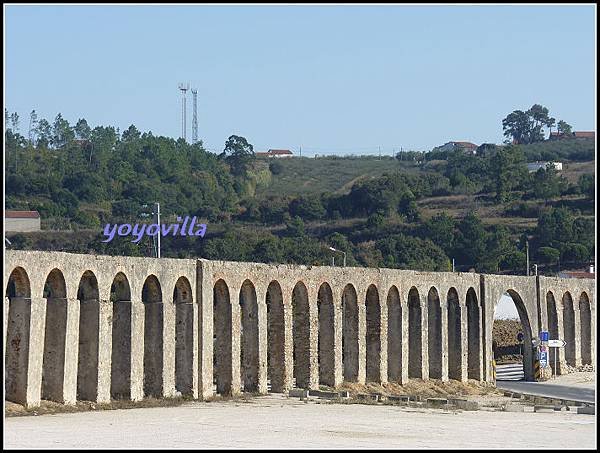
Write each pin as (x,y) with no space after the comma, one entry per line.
(275,421)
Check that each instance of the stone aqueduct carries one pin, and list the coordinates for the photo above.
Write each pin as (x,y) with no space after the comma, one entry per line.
(86,327)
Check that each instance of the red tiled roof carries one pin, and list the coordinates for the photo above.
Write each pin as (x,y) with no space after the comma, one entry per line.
(260,153)
(21,215)
(579,274)
(466,144)
(279,151)
(585,134)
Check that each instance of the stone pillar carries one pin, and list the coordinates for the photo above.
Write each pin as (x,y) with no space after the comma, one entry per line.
(195,332)
(577,322)
(288,349)
(37,324)
(168,334)
(204,329)
(560,352)
(6,308)
(362,346)
(464,343)
(383,336)
(338,372)
(71,352)
(137,350)
(444,333)
(104,351)
(405,327)
(236,338)
(262,342)
(313,332)
(424,336)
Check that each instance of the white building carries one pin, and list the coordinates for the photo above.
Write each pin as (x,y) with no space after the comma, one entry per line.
(535,166)
(22,221)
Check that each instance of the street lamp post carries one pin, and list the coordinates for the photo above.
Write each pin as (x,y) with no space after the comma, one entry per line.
(339,251)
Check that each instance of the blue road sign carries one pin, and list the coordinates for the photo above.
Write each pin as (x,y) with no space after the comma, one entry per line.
(543,359)
(544,335)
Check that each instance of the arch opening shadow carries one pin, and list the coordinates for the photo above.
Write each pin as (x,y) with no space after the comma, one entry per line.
(326,335)
(394,336)
(120,370)
(275,338)
(153,336)
(350,333)
(373,335)
(569,329)
(553,330)
(53,366)
(415,332)
(16,357)
(454,336)
(434,333)
(184,336)
(222,352)
(301,335)
(585,314)
(89,332)
(249,337)
(474,358)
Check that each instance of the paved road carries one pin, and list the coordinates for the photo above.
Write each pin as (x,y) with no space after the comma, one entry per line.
(278,422)
(510,372)
(565,392)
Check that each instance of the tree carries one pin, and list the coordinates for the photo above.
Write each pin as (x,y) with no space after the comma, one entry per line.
(440,229)
(586,185)
(507,170)
(527,127)
(82,130)
(33,121)
(547,183)
(471,241)
(564,129)
(239,153)
(62,133)
(44,133)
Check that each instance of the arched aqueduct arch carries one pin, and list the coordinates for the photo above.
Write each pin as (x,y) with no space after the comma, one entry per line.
(134,327)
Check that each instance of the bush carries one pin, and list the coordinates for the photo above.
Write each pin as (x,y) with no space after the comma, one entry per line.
(276,167)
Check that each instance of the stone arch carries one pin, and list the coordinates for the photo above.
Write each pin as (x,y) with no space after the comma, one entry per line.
(585,313)
(394,335)
(373,334)
(184,336)
(326,346)
(222,352)
(16,357)
(434,333)
(527,333)
(275,337)
(301,335)
(153,336)
(120,369)
(454,336)
(53,364)
(569,328)
(89,336)
(473,336)
(249,337)
(553,329)
(350,333)
(415,332)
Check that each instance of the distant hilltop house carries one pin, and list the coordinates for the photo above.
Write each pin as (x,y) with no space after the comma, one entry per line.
(535,166)
(275,153)
(451,146)
(578,274)
(22,221)
(577,134)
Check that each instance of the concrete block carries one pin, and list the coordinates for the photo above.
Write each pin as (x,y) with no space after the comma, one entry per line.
(323,394)
(543,408)
(588,410)
(512,407)
(437,402)
(344,394)
(298,393)
(559,408)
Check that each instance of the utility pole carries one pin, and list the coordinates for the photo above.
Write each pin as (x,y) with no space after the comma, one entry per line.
(527,252)
(195,116)
(159,228)
(183,87)
(380,153)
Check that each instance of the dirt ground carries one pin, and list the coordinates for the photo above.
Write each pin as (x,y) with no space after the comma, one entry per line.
(275,421)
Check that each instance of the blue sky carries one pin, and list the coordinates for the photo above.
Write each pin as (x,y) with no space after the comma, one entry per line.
(335,79)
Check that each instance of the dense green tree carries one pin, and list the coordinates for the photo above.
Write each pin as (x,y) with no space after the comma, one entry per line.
(508,170)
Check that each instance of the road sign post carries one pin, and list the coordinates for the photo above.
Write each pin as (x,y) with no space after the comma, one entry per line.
(555,344)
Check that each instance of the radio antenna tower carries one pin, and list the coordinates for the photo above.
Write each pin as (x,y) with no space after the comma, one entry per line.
(183,87)
(195,116)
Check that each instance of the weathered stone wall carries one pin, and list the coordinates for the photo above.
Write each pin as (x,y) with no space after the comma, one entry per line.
(102,327)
